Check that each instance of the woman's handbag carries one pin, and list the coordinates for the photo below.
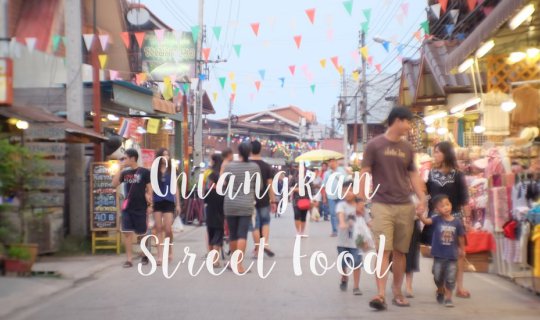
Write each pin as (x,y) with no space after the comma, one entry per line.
(303,204)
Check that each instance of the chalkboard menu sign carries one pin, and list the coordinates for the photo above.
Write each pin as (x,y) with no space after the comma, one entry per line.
(103,198)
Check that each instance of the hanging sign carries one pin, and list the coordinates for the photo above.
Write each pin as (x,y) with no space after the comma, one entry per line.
(6,81)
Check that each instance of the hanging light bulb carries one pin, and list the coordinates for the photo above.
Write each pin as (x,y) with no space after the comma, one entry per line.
(533,53)
(521,16)
(508,106)
(465,65)
(141,130)
(431,129)
(21,125)
(516,57)
(112,117)
(168,124)
(485,48)
(479,129)
(442,131)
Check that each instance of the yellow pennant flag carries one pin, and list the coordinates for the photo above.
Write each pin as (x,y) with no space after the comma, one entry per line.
(364,52)
(231,76)
(323,63)
(102,60)
(152,126)
(168,89)
(233,87)
(356,76)
(340,70)
(215,96)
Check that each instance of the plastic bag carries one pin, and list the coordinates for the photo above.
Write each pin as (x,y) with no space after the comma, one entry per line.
(364,238)
(315,214)
(177,225)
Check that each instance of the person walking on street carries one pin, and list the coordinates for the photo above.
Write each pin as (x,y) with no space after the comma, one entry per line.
(226,157)
(448,243)
(215,217)
(165,207)
(137,203)
(390,161)
(323,204)
(301,206)
(330,195)
(240,210)
(266,204)
(445,178)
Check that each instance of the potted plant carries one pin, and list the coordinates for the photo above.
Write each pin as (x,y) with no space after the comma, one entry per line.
(18,260)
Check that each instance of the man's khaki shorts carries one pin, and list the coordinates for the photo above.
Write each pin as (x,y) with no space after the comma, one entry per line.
(396,223)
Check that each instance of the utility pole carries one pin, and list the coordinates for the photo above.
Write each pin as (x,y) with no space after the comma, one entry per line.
(333,132)
(229,132)
(364,96)
(96,85)
(78,218)
(197,114)
(343,102)
(4,34)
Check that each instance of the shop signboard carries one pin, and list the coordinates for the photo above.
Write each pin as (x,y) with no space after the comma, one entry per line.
(173,55)
(148,156)
(103,198)
(6,81)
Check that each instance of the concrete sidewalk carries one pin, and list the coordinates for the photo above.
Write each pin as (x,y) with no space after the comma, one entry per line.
(17,293)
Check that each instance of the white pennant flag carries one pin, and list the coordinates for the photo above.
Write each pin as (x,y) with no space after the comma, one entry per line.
(454,14)
(436,9)
(31,43)
(88,38)
(104,40)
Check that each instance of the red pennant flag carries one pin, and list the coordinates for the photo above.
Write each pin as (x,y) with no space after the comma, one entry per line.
(206,53)
(298,40)
(335,62)
(472,4)
(255,28)
(378,67)
(140,38)
(311,15)
(125,38)
(233,95)
(258,85)
(444,4)
(370,60)
(292,69)
(418,35)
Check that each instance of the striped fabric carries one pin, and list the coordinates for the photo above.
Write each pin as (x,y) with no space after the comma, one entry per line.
(242,204)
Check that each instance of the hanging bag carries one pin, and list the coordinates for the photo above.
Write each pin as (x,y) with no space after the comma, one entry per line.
(125,202)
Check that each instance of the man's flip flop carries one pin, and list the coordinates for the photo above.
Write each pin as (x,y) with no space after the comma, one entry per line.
(127,264)
(464,295)
(400,302)
(378,303)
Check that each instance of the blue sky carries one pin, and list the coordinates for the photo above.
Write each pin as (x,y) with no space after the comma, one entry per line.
(334,33)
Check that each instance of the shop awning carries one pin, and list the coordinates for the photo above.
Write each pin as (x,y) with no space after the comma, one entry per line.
(502,12)
(37,116)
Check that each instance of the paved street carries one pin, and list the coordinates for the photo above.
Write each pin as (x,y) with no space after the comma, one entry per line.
(116,293)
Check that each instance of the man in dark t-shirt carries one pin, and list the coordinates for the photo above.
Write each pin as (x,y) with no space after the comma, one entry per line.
(137,203)
(266,204)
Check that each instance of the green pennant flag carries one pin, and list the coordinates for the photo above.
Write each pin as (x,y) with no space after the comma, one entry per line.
(195,33)
(176,91)
(222,82)
(237,48)
(367,14)
(56,42)
(217,32)
(425,26)
(312,88)
(186,87)
(365,26)
(348,6)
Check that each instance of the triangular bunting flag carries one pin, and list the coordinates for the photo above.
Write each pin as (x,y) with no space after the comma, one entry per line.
(217,32)
(125,38)
(370,61)
(292,69)
(436,9)
(282,79)
(330,34)
(160,34)
(487,10)
(214,95)
(185,87)
(364,52)
(258,85)
(298,41)
(425,26)
(311,15)
(56,42)
(102,60)
(312,87)
(355,55)
(206,53)
(471,4)
(323,63)
(335,62)
(233,87)
(365,26)
(340,70)
(418,35)
(232,97)
(168,89)
(113,74)
(400,48)
(262,73)
(255,28)
(140,38)
(355,75)
(231,75)
(104,41)
(237,48)
(195,30)
(30,43)
(222,82)
(378,67)
(88,38)
(367,14)
(449,29)
(454,14)
(405,8)
(348,6)
(386,46)
(400,18)
(444,4)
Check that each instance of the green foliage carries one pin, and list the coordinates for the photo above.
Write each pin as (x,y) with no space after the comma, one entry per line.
(19,253)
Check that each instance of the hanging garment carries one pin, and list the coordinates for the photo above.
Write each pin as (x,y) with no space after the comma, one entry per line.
(511,250)
(525,114)
(498,206)
(536,240)
(496,121)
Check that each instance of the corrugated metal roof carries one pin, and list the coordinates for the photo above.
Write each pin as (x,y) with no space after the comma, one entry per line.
(436,54)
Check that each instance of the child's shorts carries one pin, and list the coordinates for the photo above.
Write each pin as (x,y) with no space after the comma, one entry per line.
(356,260)
(444,273)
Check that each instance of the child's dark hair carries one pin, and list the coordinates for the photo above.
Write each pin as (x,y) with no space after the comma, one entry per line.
(438,198)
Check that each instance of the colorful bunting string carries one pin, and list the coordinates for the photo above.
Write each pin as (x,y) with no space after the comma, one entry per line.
(444,4)
(258,85)
(425,26)
(104,41)
(222,82)
(405,8)
(206,53)
(298,41)
(125,38)
(255,28)
(292,69)
(140,38)
(348,6)
(282,80)
(312,87)
(436,9)
(323,63)
(367,14)
(102,60)
(311,15)
(335,62)
(195,30)
(262,73)
(56,42)
(217,32)
(160,34)
(237,48)
(88,39)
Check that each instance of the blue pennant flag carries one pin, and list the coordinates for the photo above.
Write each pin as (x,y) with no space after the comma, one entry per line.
(450,29)
(460,36)
(400,48)
(386,46)
(262,73)
(282,81)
